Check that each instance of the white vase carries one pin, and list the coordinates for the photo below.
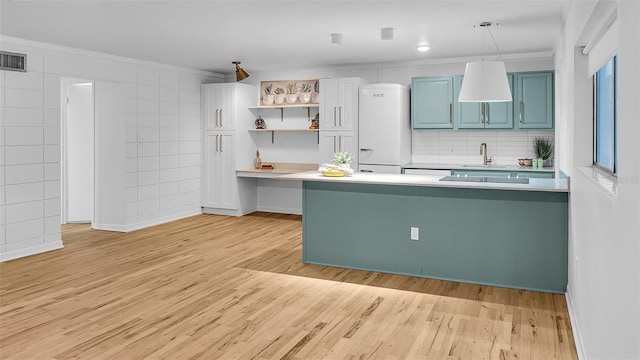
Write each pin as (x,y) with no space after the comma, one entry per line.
(267,100)
(305,98)
(291,98)
(279,98)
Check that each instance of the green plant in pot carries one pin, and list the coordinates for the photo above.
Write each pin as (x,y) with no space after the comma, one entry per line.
(543,149)
(343,159)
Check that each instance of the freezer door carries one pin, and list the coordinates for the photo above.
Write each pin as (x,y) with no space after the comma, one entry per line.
(381,169)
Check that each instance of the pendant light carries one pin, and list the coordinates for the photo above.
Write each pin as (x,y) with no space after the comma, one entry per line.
(240,73)
(485,81)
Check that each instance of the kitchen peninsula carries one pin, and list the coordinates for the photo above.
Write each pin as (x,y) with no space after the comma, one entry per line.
(492,233)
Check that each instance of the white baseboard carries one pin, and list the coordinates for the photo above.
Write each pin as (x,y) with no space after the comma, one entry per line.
(11,255)
(161,220)
(109,227)
(574,327)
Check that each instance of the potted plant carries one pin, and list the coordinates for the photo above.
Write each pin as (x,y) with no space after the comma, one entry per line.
(315,97)
(542,150)
(279,95)
(291,96)
(267,99)
(305,93)
(343,159)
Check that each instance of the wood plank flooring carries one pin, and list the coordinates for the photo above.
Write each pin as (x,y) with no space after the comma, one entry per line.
(215,287)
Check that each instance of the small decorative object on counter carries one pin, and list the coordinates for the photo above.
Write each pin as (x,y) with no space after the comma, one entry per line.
(542,149)
(260,124)
(315,122)
(524,162)
(257,162)
(343,159)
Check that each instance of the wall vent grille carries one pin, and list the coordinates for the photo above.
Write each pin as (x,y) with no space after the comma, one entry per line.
(13,61)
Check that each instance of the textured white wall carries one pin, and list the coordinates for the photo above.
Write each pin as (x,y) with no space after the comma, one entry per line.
(161,144)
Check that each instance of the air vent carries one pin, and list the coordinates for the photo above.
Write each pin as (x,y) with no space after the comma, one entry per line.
(13,61)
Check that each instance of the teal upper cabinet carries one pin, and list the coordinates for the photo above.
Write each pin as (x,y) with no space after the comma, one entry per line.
(432,102)
(534,95)
(485,115)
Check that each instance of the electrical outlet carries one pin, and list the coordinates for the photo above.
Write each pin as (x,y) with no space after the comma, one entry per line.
(415,233)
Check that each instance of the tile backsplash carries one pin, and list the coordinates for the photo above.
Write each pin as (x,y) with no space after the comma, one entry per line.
(463,146)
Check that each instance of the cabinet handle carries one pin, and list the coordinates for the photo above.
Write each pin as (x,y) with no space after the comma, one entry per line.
(340,142)
(366,171)
(334,144)
(217,125)
(220,143)
(520,111)
(217,143)
(487,116)
(450,113)
(340,118)
(334,116)
(221,126)
(482,113)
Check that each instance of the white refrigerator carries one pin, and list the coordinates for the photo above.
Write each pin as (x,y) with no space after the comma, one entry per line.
(384,135)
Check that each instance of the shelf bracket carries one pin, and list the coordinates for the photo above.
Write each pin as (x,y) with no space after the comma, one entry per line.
(308,114)
(273,135)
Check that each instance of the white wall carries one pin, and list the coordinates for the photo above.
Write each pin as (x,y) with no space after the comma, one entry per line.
(604,245)
(160,145)
(79,153)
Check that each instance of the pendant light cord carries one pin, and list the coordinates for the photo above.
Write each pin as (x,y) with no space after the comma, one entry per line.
(494,42)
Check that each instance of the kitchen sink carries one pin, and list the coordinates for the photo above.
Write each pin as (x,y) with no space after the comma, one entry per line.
(487,179)
(484,166)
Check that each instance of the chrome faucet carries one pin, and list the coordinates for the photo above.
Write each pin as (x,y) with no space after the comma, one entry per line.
(483,151)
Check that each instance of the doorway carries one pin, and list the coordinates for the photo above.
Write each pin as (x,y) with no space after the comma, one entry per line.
(77,146)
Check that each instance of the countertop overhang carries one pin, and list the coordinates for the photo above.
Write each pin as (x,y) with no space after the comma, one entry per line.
(535,184)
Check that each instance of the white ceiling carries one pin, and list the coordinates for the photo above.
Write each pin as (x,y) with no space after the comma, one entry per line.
(269,35)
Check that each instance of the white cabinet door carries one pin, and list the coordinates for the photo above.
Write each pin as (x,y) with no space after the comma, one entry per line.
(329,103)
(328,145)
(333,141)
(228,185)
(348,107)
(348,141)
(218,106)
(219,188)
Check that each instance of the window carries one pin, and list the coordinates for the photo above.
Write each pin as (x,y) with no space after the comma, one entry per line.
(604,114)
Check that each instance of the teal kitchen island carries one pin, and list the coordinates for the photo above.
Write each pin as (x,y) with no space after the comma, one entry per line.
(502,234)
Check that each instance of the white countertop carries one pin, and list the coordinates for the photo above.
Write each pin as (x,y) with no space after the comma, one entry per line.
(550,185)
(496,167)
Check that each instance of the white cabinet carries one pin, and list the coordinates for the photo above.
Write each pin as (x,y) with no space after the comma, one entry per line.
(220,187)
(333,141)
(227,146)
(339,103)
(219,106)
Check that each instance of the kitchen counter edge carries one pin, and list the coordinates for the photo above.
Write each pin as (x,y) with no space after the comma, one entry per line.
(546,185)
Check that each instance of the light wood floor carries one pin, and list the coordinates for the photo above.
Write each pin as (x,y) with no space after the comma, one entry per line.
(214,287)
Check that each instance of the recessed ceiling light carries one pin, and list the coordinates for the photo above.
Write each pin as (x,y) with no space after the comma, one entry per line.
(423,47)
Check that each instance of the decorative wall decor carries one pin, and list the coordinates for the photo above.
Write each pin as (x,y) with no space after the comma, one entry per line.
(289,92)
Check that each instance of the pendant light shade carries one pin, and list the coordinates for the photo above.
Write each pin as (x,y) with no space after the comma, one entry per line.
(485,81)
(240,73)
